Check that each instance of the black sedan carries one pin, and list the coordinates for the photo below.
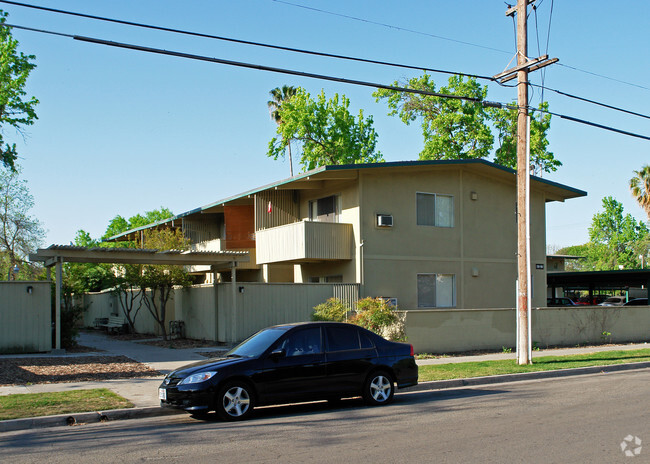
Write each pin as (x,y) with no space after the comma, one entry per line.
(293,363)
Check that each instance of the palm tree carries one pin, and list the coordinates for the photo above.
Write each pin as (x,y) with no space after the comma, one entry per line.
(280,96)
(640,187)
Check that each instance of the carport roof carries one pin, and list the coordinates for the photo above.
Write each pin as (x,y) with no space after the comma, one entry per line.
(600,279)
(75,254)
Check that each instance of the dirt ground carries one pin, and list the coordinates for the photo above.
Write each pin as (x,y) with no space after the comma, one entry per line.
(21,371)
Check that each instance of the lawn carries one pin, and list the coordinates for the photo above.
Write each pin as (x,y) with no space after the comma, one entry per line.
(48,404)
(546,363)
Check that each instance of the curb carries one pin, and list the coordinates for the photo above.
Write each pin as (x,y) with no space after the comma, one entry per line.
(85,418)
(155,411)
(476,381)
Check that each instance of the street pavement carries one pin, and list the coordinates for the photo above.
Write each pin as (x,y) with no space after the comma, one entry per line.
(143,392)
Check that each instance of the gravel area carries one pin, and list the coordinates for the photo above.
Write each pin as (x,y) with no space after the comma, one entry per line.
(21,371)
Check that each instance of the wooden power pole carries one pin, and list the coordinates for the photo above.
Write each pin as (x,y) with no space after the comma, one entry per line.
(524,65)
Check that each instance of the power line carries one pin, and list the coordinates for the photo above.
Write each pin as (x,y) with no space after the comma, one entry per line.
(390,26)
(587,100)
(313,76)
(603,76)
(244,42)
(241,64)
(296,50)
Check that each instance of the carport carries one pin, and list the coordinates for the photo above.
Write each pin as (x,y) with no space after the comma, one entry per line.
(603,281)
(56,255)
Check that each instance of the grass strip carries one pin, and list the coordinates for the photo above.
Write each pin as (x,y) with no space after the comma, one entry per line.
(546,363)
(47,404)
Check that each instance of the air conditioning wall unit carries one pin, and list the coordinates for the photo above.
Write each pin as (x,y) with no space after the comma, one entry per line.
(384,220)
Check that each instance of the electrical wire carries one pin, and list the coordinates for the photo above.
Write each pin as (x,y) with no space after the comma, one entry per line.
(390,26)
(314,76)
(241,64)
(244,42)
(303,51)
(603,76)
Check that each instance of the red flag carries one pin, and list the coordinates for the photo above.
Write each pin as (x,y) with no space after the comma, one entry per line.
(269,208)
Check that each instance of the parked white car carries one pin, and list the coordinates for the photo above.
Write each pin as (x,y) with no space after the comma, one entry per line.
(614,301)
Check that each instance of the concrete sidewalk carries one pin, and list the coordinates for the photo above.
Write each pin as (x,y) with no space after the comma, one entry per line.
(143,392)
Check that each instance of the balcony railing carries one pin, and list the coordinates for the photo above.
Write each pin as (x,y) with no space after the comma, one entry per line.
(304,242)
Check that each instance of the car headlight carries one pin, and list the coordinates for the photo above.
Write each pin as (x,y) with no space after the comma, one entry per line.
(197,378)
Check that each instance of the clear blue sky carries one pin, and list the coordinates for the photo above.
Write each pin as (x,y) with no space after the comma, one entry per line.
(123,132)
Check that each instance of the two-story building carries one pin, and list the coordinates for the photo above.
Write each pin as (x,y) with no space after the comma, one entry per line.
(430,234)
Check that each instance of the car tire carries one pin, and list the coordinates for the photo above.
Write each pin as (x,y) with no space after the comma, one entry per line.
(235,401)
(378,389)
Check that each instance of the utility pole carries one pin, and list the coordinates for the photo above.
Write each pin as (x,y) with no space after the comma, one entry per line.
(524,65)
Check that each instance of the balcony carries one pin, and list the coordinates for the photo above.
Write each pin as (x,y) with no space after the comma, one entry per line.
(302,242)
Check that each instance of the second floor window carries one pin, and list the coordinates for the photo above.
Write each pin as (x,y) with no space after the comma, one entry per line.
(434,209)
(324,209)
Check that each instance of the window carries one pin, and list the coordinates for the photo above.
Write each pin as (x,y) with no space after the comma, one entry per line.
(436,290)
(435,210)
(324,209)
(342,338)
(302,342)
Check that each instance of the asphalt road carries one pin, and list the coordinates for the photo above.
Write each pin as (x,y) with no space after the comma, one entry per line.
(575,419)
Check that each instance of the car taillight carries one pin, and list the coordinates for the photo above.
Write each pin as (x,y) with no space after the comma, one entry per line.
(412,352)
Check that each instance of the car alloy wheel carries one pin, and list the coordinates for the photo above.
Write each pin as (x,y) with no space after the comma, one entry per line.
(235,401)
(378,389)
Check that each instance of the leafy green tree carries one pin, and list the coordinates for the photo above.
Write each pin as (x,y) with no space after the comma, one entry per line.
(81,278)
(615,239)
(160,280)
(119,224)
(575,250)
(505,122)
(640,187)
(452,128)
(20,233)
(326,130)
(459,129)
(278,97)
(16,109)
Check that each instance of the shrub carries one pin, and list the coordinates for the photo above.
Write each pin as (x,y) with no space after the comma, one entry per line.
(332,310)
(70,316)
(373,314)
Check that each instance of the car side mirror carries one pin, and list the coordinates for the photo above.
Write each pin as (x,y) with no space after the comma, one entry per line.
(277,354)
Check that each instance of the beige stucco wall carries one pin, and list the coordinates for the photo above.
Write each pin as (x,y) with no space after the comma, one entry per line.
(447,331)
(482,240)
(348,191)
(25,318)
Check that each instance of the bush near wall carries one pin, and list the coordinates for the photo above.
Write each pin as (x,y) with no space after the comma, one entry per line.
(374,314)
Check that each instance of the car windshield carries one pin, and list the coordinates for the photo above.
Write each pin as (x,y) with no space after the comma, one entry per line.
(254,346)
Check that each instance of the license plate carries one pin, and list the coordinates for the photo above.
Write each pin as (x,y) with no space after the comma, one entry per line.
(162,394)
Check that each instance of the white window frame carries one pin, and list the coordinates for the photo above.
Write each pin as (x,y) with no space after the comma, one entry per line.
(435,206)
(435,280)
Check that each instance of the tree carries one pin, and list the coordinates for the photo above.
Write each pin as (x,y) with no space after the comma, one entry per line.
(20,233)
(452,128)
(87,277)
(129,291)
(16,110)
(640,188)
(279,97)
(327,131)
(614,239)
(505,121)
(119,225)
(460,129)
(160,280)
